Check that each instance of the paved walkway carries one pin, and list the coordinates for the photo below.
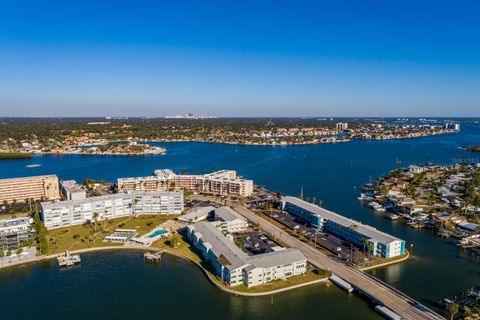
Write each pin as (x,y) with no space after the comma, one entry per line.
(400,303)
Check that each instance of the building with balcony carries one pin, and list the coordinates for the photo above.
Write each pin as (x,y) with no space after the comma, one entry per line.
(15,233)
(360,235)
(36,188)
(75,212)
(223,182)
(235,267)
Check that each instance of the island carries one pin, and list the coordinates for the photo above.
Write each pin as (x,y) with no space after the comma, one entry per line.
(126,136)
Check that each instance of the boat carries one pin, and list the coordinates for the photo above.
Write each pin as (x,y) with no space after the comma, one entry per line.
(393,216)
(373,204)
(33,165)
(67,260)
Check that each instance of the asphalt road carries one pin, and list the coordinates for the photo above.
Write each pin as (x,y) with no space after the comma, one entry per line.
(400,303)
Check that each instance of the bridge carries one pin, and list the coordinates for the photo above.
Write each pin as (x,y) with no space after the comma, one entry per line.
(365,284)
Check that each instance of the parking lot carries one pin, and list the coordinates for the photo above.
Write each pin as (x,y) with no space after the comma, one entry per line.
(254,242)
(342,249)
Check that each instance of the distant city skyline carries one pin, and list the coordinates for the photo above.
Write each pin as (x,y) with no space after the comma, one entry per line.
(248,59)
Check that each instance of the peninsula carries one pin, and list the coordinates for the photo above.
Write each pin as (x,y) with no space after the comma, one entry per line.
(130,136)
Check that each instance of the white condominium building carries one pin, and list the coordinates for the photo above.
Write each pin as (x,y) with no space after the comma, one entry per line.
(224,182)
(36,188)
(71,190)
(227,219)
(236,267)
(75,212)
(14,233)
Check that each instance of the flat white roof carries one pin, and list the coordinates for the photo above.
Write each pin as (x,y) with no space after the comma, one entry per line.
(364,229)
(196,214)
(227,214)
(221,246)
(51,205)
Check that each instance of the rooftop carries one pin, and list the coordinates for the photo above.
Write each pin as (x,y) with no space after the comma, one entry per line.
(227,214)
(233,257)
(29,177)
(196,214)
(364,229)
(52,205)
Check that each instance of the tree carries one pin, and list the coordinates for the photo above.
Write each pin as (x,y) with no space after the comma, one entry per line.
(95,218)
(452,309)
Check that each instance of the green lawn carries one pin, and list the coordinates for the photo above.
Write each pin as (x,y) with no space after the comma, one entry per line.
(185,249)
(379,260)
(280,284)
(60,240)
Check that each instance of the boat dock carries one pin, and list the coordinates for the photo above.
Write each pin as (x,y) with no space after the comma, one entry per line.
(68,260)
(155,256)
(341,283)
(470,242)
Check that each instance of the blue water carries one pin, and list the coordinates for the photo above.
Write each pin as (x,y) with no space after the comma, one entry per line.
(157,233)
(331,172)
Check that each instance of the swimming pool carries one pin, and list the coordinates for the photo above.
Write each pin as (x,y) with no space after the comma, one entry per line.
(157,233)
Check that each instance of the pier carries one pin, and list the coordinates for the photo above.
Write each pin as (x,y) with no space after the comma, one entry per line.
(377,291)
(68,260)
(155,256)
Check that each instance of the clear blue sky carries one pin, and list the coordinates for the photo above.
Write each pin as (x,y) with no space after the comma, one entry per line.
(240,58)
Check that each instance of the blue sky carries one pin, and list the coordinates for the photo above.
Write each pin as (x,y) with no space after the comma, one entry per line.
(240,58)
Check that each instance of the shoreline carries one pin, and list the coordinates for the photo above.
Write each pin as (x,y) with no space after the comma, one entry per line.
(238,143)
(388,263)
(178,255)
(204,271)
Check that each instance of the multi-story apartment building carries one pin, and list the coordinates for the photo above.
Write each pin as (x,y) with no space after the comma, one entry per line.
(235,267)
(71,190)
(341,126)
(15,232)
(227,219)
(75,212)
(36,188)
(223,182)
(360,235)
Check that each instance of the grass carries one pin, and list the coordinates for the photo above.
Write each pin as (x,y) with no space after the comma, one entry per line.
(60,240)
(280,284)
(378,260)
(184,248)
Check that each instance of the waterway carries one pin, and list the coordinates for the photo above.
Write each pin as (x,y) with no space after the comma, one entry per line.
(120,285)
(331,172)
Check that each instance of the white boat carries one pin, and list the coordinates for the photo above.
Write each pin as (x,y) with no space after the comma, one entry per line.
(393,216)
(373,204)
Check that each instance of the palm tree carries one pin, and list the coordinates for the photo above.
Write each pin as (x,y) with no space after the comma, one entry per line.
(452,309)
(365,244)
(370,248)
(95,217)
